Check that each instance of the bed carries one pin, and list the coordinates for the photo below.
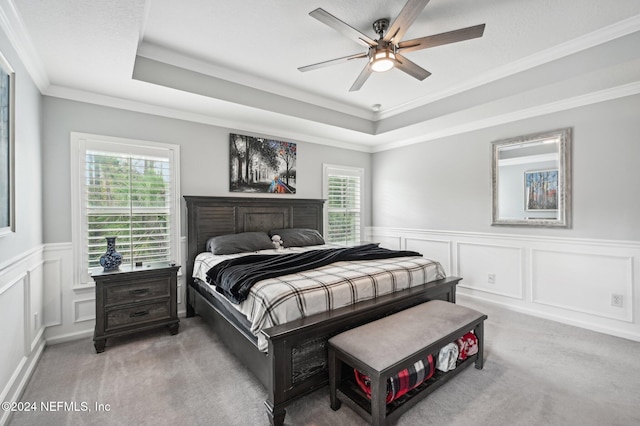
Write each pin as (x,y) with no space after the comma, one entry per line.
(295,360)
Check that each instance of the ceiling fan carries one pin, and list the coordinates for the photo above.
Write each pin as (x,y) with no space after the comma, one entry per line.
(387,52)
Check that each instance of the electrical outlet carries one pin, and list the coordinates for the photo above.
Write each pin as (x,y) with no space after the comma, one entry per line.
(617,300)
(491,279)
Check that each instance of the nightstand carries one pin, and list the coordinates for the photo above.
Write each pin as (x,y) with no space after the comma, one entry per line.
(133,299)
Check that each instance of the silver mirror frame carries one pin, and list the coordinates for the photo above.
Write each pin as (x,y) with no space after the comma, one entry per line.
(563,218)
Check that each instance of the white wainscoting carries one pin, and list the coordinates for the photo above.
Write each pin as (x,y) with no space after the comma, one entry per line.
(41,305)
(562,279)
(23,322)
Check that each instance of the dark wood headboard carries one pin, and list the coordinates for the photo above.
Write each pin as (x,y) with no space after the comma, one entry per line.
(212,216)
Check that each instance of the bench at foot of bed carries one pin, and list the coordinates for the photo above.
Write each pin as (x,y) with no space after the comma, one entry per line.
(383,348)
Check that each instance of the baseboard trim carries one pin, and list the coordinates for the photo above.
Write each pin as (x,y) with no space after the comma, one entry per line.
(563,320)
(69,337)
(27,370)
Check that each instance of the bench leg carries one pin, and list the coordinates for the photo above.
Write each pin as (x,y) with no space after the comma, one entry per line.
(378,400)
(335,377)
(479,332)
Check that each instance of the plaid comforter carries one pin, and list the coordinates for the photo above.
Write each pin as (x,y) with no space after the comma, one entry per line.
(235,277)
(279,300)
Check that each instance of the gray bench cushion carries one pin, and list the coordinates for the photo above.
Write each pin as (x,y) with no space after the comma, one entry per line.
(382,343)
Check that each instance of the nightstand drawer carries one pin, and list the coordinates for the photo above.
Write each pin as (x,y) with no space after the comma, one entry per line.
(137,314)
(139,290)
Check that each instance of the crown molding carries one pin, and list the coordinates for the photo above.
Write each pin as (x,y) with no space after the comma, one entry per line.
(595,38)
(12,24)
(549,108)
(230,123)
(239,124)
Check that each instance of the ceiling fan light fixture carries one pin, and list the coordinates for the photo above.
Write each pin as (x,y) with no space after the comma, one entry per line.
(388,51)
(382,60)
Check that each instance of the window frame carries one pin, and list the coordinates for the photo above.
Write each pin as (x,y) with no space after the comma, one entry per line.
(333,170)
(80,142)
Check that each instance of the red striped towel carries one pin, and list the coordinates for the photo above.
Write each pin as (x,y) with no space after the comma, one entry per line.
(403,382)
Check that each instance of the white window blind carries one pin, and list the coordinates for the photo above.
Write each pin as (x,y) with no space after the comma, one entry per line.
(127,190)
(129,197)
(343,191)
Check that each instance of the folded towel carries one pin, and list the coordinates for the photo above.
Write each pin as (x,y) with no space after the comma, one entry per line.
(447,357)
(467,346)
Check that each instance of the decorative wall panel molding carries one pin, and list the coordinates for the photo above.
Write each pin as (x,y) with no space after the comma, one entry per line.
(34,308)
(52,302)
(597,276)
(583,282)
(491,268)
(84,310)
(22,327)
(431,248)
(392,243)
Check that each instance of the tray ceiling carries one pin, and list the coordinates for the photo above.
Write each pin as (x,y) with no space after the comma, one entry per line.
(234,64)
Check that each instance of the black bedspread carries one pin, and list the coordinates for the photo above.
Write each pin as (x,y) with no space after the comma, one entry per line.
(235,277)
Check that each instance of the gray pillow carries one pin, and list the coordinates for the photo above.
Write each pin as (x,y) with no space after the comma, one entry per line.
(239,243)
(298,237)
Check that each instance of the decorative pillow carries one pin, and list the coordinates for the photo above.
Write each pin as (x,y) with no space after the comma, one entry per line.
(298,237)
(239,243)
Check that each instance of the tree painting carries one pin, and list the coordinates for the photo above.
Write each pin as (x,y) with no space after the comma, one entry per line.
(541,190)
(261,165)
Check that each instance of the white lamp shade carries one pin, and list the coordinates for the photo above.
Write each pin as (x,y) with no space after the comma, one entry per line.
(382,60)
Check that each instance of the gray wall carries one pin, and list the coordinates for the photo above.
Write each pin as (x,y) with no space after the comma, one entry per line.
(28,160)
(445,184)
(204,151)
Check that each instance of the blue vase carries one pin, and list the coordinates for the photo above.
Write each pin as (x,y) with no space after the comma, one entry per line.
(111,260)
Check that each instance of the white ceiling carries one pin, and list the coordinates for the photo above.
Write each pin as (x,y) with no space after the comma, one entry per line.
(234,63)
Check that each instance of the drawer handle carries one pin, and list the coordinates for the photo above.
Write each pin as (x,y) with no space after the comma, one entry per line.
(139,314)
(139,291)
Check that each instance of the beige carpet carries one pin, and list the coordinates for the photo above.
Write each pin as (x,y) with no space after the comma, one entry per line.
(537,372)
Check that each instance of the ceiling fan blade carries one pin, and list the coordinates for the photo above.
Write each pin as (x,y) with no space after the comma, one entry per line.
(411,68)
(364,75)
(405,18)
(332,62)
(342,27)
(440,39)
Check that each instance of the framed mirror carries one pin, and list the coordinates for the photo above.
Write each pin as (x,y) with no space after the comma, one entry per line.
(7,144)
(531,180)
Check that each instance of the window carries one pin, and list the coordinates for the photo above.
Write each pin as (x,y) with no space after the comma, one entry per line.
(343,192)
(127,189)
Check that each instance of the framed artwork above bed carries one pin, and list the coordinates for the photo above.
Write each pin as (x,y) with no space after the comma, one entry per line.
(261,165)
